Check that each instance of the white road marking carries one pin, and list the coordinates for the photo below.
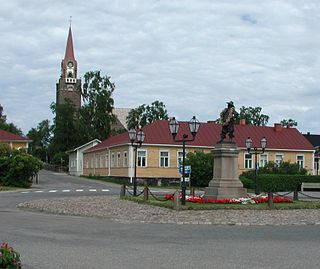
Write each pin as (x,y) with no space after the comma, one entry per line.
(92,190)
(25,192)
(53,191)
(65,190)
(105,190)
(79,190)
(38,191)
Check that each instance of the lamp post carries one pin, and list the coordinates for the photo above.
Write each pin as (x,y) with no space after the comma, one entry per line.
(136,139)
(256,151)
(174,125)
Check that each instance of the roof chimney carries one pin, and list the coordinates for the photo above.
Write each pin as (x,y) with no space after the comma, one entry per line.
(242,122)
(277,127)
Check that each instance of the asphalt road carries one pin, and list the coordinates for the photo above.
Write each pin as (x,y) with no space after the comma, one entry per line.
(50,241)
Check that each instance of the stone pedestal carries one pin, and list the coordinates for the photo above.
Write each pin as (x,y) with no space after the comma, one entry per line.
(225,183)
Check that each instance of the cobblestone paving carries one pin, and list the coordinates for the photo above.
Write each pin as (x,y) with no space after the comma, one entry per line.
(123,211)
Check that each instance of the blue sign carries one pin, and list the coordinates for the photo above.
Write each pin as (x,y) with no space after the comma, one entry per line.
(187,169)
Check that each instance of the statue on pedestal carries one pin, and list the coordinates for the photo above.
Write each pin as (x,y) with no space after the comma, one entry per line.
(228,117)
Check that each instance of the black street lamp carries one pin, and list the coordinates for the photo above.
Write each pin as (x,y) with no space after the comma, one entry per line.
(174,125)
(263,143)
(136,139)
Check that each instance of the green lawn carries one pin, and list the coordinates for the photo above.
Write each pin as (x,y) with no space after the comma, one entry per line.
(198,206)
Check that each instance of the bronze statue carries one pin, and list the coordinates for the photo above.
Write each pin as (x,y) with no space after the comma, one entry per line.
(227,119)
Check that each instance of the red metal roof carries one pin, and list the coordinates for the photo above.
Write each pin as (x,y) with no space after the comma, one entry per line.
(209,133)
(69,48)
(7,136)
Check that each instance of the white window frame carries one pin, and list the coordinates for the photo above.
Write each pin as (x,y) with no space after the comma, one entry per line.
(118,158)
(180,158)
(299,162)
(97,161)
(166,159)
(101,161)
(265,162)
(275,158)
(112,159)
(107,160)
(248,162)
(125,159)
(91,162)
(145,157)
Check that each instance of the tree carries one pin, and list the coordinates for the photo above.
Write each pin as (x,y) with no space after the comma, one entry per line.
(288,123)
(253,116)
(9,127)
(16,167)
(146,114)
(96,114)
(65,128)
(40,137)
(201,166)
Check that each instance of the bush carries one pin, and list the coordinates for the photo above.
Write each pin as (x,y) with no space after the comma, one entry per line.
(284,168)
(202,168)
(17,168)
(9,258)
(275,183)
(248,183)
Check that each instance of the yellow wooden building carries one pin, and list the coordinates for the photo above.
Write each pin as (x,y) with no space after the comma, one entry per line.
(159,156)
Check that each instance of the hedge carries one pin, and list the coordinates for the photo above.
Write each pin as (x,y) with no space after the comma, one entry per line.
(275,183)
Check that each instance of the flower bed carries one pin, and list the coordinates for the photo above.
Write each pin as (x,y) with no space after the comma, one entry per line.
(9,258)
(250,199)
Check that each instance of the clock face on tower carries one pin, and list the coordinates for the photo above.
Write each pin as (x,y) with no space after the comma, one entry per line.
(70,64)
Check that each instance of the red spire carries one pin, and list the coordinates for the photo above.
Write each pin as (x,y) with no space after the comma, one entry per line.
(69,49)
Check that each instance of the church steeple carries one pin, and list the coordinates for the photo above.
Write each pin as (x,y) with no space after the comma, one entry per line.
(69,48)
(69,86)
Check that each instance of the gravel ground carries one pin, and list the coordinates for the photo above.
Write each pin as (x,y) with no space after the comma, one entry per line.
(122,211)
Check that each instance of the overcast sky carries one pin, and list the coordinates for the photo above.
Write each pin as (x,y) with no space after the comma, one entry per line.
(193,55)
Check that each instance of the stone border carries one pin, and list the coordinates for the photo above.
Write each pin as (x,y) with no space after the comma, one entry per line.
(123,211)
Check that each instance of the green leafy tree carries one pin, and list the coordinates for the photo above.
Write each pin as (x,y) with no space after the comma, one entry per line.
(288,123)
(146,114)
(40,137)
(65,128)
(253,116)
(96,114)
(201,166)
(9,127)
(17,168)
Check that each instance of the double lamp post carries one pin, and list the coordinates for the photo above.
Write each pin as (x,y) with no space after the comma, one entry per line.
(136,139)
(174,125)
(256,151)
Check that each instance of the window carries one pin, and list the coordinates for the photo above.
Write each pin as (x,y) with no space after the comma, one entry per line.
(97,161)
(300,161)
(180,157)
(248,161)
(91,163)
(101,161)
(112,159)
(125,159)
(118,158)
(142,158)
(279,159)
(263,160)
(107,160)
(164,159)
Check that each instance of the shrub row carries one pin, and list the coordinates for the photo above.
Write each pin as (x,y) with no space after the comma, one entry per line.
(278,182)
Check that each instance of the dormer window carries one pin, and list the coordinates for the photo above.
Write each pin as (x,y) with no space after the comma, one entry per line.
(69,74)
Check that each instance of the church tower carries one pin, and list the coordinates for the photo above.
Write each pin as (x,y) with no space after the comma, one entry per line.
(69,86)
